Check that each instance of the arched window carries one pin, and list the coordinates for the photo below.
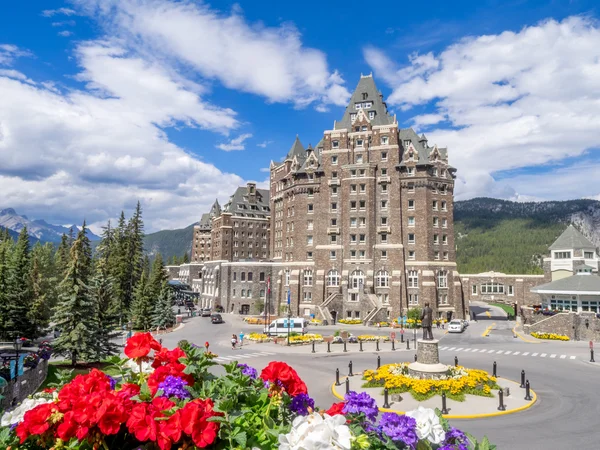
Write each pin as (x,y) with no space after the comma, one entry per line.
(382,279)
(442,279)
(308,278)
(333,278)
(357,279)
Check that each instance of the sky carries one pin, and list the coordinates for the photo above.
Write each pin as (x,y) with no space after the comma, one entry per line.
(176,103)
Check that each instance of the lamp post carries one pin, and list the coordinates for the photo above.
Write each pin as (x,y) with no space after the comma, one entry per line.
(289,324)
(18,344)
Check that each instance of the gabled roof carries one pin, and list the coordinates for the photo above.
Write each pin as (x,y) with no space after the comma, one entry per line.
(206,219)
(571,239)
(366,85)
(239,204)
(580,283)
(297,151)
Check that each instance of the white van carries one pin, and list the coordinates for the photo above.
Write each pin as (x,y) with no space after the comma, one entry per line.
(281,326)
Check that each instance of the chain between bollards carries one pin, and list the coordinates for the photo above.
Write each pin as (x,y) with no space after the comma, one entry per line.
(345,349)
(528,391)
(501,406)
(337,377)
(313,347)
(350,374)
(444,407)
(456,361)
(378,361)
(377,345)
(347,385)
(495,370)
(328,347)
(522,379)
(360,345)
(592,355)
(386,403)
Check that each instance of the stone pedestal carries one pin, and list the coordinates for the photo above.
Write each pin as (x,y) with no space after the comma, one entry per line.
(428,361)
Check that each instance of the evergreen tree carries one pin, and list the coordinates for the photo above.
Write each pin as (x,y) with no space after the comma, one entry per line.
(76,314)
(143,305)
(43,283)
(102,293)
(19,290)
(135,237)
(158,276)
(6,248)
(61,257)
(120,268)
(106,246)
(186,258)
(163,316)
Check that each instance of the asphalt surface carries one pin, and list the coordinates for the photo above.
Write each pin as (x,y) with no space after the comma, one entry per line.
(565,415)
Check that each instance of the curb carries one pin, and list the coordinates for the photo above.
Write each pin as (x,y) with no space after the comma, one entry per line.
(461,416)
(514,330)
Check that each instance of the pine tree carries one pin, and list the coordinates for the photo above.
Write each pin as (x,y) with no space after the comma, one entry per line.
(186,258)
(19,290)
(120,268)
(163,316)
(158,276)
(102,293)
(6,249)
(135,236)
(143,305)
(61,257)
(43,283)
(76,314)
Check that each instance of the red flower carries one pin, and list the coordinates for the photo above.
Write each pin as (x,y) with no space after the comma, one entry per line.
(169,431)
(81,386)
(49,390)
(35,421)
(161,373)
(140,344)
(166,356)
(206,344)
(111,414)
(194,416)
(142,421)
(336,409)
(288,377)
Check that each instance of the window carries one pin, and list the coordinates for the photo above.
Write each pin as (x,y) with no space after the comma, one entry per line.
(334,160)
(287,277)
(352,254)
(384,156)
(411,171)
(569,305)
(411,187)
(363,188)
(511,290)
(358,105)
(335,144)
(382,279)
(444,223)
(406,143)
(309,256)
(361,238)
(309,240)
(362,205)
(353,205)
(384,188)
(353,239)
(443,299)
(334,175)
(562,255)
(334,222)
(384,238)
(383,172)
(353,189)
(353,173)
(434,205)
(411,238)
(444,208)
(362,222)
(413,278)
(261,276)
(444,239)
(359,159)
(332,254)
(234,276)
(233,293)
(361,172)
(310,208)
(243,276)
(445,256)
(588,255)
(436,239)
(413,299)
(359,143)
(434,172)
(353,117)
(384,204)
(436,255)
(243,293)
(333,278)
(249,276)
(492,288)
(308,278)
(361,254)
(411,221)
(334,207)
(474,289)
(411,255)
(357,279)
(309,225)
(411,204)
(435,221)
(307,298)
(383,254)
(442,279)
(383,221)
(311,192)
(333,238)
(384,141)
(262,293)
(371,115)
(367,105)
(334,191)
(353,222)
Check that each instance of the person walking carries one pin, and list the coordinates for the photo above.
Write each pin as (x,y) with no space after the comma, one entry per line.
(241,339)
(233,341)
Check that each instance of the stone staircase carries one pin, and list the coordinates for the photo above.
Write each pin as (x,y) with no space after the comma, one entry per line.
(374,314)
(323,307)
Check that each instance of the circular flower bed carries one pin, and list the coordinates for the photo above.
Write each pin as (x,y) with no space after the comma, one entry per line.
(350,321)
(306,339)
(372,338)
(457,382)
(551,336)
(258,337)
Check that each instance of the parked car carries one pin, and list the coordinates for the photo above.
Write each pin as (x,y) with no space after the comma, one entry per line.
(456,326)
(216,318)
(465,323)
(206,312)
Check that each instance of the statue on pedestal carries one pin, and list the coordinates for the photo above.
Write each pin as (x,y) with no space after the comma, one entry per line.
(426,321)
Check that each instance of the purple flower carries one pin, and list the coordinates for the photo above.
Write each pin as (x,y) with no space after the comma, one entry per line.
(399,428)
(455,440)
(113,382)
(249,371)
(300,404)
(357,403)
(174,387)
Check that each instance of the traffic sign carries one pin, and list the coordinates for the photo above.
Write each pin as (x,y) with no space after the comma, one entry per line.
(393,335)
(591,344)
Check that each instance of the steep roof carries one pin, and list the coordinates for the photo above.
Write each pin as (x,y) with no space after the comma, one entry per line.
(239,203)
(206,219)
(588,283)
(297,151)
(366,91)
(571,239)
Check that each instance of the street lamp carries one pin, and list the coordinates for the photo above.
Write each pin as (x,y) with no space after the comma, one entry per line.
(18,344)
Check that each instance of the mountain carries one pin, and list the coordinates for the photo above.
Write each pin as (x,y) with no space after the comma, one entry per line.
(38,229)
(169,242)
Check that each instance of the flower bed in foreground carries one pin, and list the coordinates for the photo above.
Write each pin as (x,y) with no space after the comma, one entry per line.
(550,336)
(179,404)
(457,382)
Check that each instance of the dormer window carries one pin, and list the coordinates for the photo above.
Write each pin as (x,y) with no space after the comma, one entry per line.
(371,115)
(353,117)
(365,95)
(359,142)
(358,106)
(367,105)
(384,140)
(407,143)
(335,144)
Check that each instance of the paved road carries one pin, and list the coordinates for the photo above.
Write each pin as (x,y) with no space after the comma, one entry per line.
(565,415)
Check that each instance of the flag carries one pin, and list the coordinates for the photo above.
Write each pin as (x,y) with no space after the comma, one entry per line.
(289,299)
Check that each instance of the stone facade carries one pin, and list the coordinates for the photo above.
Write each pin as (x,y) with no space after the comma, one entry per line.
(496,287)
(21,387)
(584,326)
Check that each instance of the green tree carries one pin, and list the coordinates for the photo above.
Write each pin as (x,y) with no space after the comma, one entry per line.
(143,305)
(76,314)
(135,237)
(158,276)
(120,268)
(6,249)
(164,316)
(61,257)
(102,293)
(43,283)
(186,258)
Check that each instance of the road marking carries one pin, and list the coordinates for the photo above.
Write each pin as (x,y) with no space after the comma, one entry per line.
(572,357)
(443,348)
(459,349)
(534,354)
(543,355)
(526,353)
(488,330)
(507,353)
(553,356)
(483,350)
(451,348)
(563,356)
(491,351)
(516,353)
(499,351)
(487,313)
(467,349)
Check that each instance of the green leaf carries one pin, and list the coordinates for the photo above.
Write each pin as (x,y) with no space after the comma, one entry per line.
(241,439)
(423,445)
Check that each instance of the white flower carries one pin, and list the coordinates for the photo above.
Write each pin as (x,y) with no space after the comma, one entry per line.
(428,425)
(16,415)
(316,432)
(135,367)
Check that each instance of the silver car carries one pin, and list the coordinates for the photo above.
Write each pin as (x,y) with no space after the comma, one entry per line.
(456,326)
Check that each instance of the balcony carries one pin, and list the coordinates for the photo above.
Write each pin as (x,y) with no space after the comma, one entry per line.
(384,179)
(334,182)
(384,229)
(333,230)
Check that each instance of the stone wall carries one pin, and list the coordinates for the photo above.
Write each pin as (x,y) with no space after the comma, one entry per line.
(23,386)
(584,326)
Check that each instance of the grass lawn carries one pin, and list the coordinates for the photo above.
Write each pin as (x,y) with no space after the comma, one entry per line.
(509,309)
(82,368)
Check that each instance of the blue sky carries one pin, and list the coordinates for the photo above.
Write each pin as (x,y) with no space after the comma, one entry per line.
(106,102)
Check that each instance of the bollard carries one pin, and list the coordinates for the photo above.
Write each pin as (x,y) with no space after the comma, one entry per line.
(377,345)
(360,345)
(393,345)
(386,403)
(378,361)
(313,347)
(350,374)
(408,344)
(501,406)
(402,338)
(444,407)
(415,357)
(328,347)
(456,361)
(495,372)
(347,385)
(345,349)
(527,391)
(592,355)
(337,377)
(522,379)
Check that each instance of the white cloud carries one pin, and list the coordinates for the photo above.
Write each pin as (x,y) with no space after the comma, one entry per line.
(9,52)
(64,23)
(59,11)
(235,144)
(264,144)
(265,169)
(65,33)
(250,57)
(516,100)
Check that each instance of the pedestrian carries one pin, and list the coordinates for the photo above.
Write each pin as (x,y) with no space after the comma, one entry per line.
(160,341)
(233,341)
(241,339)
